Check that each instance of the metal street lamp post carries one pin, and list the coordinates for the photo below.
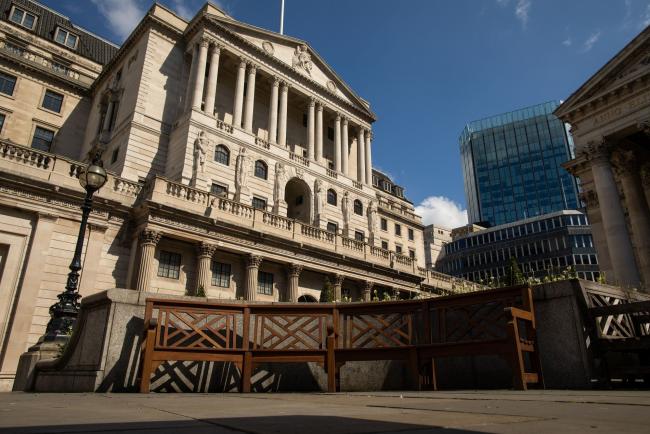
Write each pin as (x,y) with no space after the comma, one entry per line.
(64,313)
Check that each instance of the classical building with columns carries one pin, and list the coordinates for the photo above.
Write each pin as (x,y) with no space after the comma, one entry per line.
(240,167)
(610,118)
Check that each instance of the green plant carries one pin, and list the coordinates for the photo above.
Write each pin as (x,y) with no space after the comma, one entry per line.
(327,294)
(513,276)
(375,295)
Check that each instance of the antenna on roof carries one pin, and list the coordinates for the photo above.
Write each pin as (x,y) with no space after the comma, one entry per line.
(282,18)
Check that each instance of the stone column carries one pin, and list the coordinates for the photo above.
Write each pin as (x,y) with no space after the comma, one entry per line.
(345,144)
(368,159)
(199,79)
(250,99)
(367,291)
(311,119)
(189,91)
(148,241)
(252,267)
(212,79)
(293,274)
(239,94)
(628,171)
(282,127)
(338,284)
(618,240)
(361,157)
(204,253)
(273,112)
(319,133)
(337,143)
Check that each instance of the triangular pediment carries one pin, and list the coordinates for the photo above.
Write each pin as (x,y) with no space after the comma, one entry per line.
(629,64)
(299,56)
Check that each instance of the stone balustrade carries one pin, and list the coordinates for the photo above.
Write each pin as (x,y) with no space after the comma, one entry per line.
(299,159)
(398,209)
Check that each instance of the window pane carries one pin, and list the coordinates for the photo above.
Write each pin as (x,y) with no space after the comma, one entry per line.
(52,101)
(42,139)
(359,236)
(218,189)
(220,274)
(259,203)
(2,121)
(60,36)
(72,41)
(7,84)
(331,227)
(265,283)
(260,169)
(222,155)
(169,265)
(29,21)
(17,16)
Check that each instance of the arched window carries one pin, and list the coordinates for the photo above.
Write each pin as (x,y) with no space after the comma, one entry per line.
(222,155)
(331,197)
(358,207)
(261,169)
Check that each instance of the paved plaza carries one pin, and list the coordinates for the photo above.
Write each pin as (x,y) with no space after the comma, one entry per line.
(379,412)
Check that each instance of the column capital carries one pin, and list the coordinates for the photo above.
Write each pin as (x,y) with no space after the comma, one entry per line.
(312,101)
(294,270)
(285,85)
(252,68)
(217,47)
(276,81)
(205,42)
(338,279)
(345,120)
(590,198)
(204,250)
(338,117)
(253,260)
(625,162)
(319,106)
(368,285)
(644,126)
(243,62)
(597,151)
(149,236)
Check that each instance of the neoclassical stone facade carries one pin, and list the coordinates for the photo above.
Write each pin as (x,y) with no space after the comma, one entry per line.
(240,167)
(610,118)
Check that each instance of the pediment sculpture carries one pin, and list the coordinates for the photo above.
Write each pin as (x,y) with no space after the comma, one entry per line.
(302,59)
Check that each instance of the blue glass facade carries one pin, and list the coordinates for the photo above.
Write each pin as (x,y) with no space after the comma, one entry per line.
(511,166)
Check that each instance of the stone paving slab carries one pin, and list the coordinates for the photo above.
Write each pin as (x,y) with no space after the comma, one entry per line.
(356,413)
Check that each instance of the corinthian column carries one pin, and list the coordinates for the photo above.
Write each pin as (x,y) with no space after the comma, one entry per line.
(148,241)
(337,143)
(239,94)
(252,268)
(250,99)
(311,120)
(293,273)
(345,144)
(361,157)
(199,79)
(282,127)
(628,171)
(273,112)
(319,133)
(204,253)
(368,159)
(189,90)
(211,90)
(618,240)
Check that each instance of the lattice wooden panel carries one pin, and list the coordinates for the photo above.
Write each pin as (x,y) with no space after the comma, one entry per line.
(471,322)
(377,330)
(204,377)
(612,326)
(195,328)
(290,332)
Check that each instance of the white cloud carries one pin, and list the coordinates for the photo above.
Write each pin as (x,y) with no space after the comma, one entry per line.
(183,9)
(122,15)
(522,11)
(591,41)
(567,42)
(440,210)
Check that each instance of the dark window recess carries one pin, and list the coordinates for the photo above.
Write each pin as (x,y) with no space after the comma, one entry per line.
(7,84)
(299,200)
(332,227)
(304,120)
(358,207)
(42,139)
(412,254)
(265,283)
(220,274)
(2,121)
(111,123)
(398,249)
(331,197)
(398,230)
(222,155)
(219,190)
(384,224)
(261,170)
(411,234)
(384,245)
(169,265)
(52,101)
(115,154)
(359,236)
(330,133)
(259,203)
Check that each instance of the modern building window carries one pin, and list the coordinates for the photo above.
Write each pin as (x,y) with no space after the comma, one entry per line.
(358,207)
(52,101)
(169,265)
(66,38)
(218,189)
(222,155)
(384,224)
(259,203)
(359,236)
(261,169)
(264,283)
(332,227)
(331,197)
(23,18)
(7,84)
(220,274)
(398,230)
(384,244)
(42,139)
(411,234)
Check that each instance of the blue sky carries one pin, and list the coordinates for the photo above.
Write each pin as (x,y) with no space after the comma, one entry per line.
(427,66)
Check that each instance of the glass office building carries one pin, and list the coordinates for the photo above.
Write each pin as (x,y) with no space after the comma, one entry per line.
(511,166)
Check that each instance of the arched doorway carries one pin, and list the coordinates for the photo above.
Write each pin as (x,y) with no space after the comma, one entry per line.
(306,298)
(297,195)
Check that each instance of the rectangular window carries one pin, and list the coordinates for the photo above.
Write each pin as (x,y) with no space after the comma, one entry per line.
(359,236)
(384,245)
(218,189)
(169,265)
(66,38)
(398,230)
(259,203)
(52,101)
(2,121)
(42,139)
(265,283)
(220,274)
(412,253)
(115,154)
(7,84)
(384,224)
(23,18)
(411,234)
(398,249)
(332,227)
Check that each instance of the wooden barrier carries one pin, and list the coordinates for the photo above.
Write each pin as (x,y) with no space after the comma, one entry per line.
(417,332)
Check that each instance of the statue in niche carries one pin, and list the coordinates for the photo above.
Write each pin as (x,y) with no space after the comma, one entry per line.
(280,177)
(302,59)
(318,199)
(242,168)
(372,217)
(200,149)
(345,208)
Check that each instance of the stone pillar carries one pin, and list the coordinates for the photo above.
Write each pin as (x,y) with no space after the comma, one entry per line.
(250,99)
(361,157)
(199,78)
(367,291)
(252,267)
(311,120)
(368,159)
(345,144)
(293,280)
(618,240)
(282,127)
(338,284)
(319,133)
(273,112)
(109,114)
(189,91)
(337,143)
(148,241)
(212,79)
(239,94)
(204,253)
(628,171)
